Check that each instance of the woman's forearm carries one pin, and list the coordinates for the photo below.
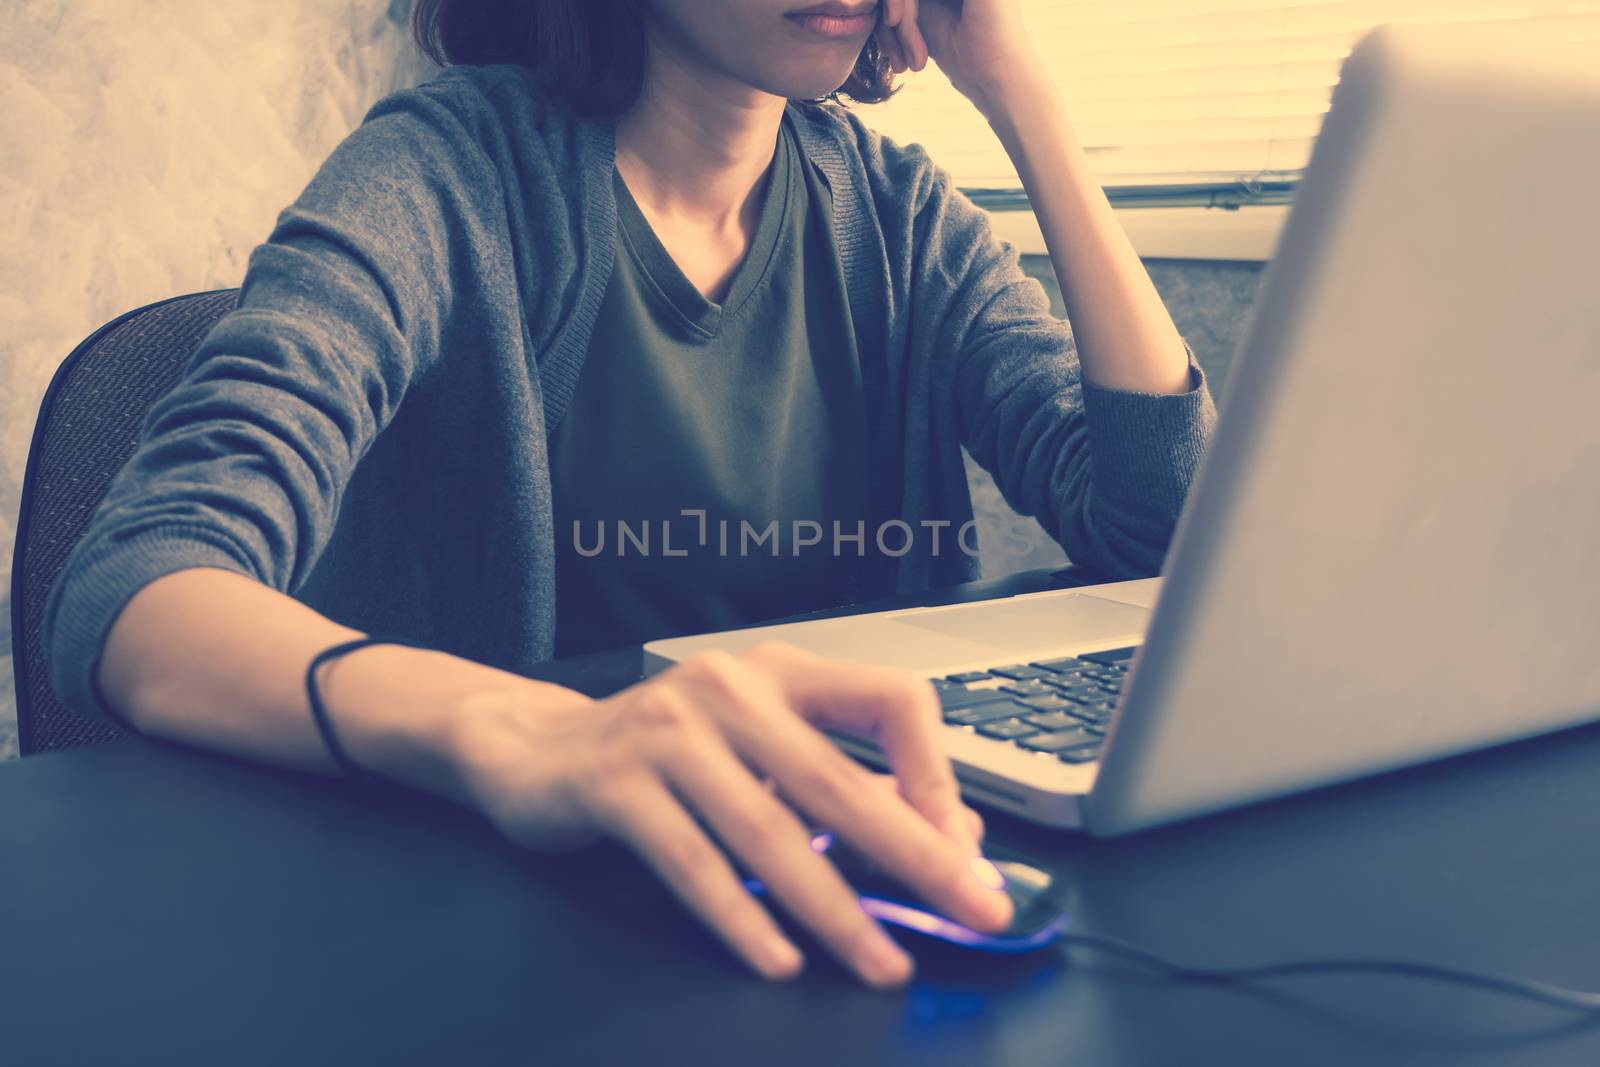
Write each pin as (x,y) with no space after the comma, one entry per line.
(214,659)
(1126,339)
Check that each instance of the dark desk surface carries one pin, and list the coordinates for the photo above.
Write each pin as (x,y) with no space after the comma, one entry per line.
(159,906)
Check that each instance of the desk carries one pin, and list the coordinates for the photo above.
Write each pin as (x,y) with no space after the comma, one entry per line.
(162,906)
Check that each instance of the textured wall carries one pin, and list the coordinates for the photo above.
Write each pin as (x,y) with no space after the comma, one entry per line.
(145,149)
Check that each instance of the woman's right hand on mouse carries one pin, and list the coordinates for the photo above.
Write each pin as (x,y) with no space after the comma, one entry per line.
(733,744)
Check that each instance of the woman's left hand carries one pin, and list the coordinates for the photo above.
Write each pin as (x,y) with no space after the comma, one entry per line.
(977,43)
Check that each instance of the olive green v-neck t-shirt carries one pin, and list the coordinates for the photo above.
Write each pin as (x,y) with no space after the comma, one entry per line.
(708,472)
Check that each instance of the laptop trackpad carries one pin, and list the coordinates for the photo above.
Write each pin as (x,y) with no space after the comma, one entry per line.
(1024,627)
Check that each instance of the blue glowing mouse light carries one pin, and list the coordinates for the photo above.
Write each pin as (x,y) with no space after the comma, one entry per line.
(1037,920)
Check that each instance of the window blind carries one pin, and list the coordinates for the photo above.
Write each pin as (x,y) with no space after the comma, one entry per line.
(1187,101)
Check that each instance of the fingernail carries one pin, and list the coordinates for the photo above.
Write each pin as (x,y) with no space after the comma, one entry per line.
(886,964)
(779,958)
(985,895)
(987,873)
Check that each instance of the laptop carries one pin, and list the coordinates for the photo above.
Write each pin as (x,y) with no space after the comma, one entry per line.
(1392,550)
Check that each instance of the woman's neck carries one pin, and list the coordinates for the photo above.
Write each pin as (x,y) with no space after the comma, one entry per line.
(696,146)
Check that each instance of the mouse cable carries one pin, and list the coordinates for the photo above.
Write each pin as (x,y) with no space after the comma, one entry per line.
(1518,987)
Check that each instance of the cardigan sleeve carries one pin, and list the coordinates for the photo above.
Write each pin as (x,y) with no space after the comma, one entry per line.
(242,465)
(1105,472)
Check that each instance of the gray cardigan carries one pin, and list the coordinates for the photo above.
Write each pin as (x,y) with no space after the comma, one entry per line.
(367,431)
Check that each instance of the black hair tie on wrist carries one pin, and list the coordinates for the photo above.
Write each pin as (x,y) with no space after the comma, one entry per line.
(319,712)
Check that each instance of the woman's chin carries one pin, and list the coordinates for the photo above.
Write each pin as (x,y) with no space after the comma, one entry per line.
(808,87)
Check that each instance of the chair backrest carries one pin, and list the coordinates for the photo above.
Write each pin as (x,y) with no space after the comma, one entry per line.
(89,425)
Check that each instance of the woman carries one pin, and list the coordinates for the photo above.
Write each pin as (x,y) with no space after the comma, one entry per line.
(623,265)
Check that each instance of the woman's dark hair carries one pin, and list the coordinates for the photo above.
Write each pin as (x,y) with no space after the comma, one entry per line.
(590,53)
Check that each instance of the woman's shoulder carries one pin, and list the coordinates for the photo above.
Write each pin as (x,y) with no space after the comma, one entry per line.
(500,108)
(504,88)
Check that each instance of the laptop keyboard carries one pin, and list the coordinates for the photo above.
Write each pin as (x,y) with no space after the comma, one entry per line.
(1057,707)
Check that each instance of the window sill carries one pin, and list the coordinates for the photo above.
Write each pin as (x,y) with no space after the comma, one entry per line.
(1245,233)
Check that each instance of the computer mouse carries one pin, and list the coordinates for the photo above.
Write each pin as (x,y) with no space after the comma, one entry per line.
(1038,916)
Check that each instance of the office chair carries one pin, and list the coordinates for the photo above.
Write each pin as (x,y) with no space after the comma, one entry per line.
(88,426)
